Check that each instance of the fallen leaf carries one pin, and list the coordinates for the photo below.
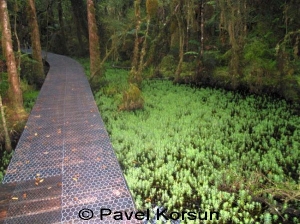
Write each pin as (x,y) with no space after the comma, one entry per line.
(59,184)
(38,179)
(116,192)
(59,131)
(27,162)
(75,179)
(75,199)
(24,195)
(148,200)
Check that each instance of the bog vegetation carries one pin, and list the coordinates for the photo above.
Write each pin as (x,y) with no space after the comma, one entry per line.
(200,98)
(207,149)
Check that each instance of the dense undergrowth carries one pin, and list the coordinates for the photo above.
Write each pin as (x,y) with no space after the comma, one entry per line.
(29,97)
(30,93)
(207,150)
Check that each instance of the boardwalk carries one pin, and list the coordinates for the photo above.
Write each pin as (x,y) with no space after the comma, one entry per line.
(64,161)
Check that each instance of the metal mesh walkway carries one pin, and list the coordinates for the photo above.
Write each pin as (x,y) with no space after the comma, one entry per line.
(64,161)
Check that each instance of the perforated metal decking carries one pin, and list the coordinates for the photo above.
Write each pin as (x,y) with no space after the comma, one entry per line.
(64,161)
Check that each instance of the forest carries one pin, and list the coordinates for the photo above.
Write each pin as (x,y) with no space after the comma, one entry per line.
(200,98)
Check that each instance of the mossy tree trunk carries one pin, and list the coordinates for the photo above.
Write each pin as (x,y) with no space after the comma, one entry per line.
(18,56)
(181,46)
(35,43)
(181,30)
(143,50)
(201,29)
(94,45)
(132,98)
(14,91)
(233,19)
(135,76)
(151,8)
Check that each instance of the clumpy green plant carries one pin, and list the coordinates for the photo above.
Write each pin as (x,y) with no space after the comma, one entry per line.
(209,150)
(29,98)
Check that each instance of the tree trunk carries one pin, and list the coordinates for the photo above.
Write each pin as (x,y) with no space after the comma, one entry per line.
(18,59)
(151,8)
(135,77)
(143,50)
(233,19)
(132,98)
(35,42)
(93,41)
(8,147)
(202,29)
(14,90)
(181,48)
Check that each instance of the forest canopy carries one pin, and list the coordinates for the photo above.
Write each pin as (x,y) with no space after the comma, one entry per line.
(243,45)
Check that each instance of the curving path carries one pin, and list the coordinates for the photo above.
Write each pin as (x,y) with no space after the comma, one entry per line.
(64,161)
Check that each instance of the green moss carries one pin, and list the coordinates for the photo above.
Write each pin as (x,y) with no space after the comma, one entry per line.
(222,76)
(28,71)
(132,99)
(29,98)
(188,69)
(167,66)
